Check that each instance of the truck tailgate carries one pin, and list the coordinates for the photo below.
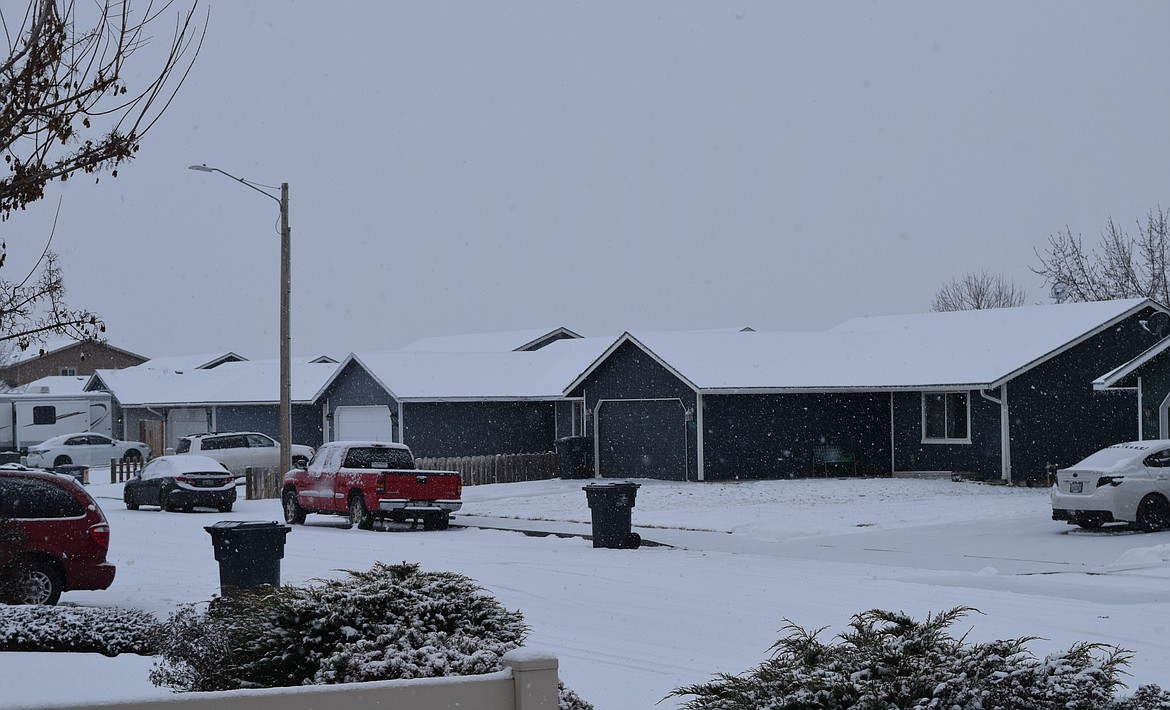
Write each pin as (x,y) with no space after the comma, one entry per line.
(420,485)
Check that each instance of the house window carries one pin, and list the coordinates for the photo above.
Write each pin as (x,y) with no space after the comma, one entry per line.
(946,416)
(578,426)
(68,371)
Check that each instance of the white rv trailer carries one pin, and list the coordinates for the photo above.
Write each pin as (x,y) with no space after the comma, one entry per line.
(29,419)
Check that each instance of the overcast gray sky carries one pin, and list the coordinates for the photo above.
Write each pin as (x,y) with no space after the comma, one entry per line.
(459,167)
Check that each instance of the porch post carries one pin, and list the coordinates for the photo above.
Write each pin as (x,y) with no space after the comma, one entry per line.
(1005,433)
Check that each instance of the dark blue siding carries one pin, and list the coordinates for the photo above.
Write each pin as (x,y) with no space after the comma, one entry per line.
(1058,418)
(479,428)
(981,456)
(265,418)
(773,436)
(631,374)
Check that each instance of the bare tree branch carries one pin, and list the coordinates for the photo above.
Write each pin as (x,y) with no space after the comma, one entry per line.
(66,106)
(978,291)
(1123,266)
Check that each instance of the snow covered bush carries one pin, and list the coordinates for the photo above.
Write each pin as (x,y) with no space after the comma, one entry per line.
(393,621)
(108,631)
(888,660)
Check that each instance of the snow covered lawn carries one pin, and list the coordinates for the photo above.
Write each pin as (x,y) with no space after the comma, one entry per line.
(736,560)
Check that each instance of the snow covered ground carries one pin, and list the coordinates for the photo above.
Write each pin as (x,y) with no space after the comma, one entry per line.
(736,560)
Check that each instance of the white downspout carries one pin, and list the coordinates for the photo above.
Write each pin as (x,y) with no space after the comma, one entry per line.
(700,474)
(893,468)
(1141,427)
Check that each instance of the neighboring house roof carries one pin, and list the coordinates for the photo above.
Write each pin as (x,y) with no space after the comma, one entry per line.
(516,340)
(205,361)
(478,376)
(961,350)
(54,384)
(252,382)
(53,346)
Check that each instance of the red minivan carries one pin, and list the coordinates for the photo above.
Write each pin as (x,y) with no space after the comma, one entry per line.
(53,537)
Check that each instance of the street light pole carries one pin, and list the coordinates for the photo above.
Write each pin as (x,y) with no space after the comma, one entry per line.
(285,293)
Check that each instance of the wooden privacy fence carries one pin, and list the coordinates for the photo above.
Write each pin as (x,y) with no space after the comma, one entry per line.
(262,482)
(498,468)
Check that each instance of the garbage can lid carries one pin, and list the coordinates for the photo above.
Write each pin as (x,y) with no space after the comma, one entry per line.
(612,484)
(243,525)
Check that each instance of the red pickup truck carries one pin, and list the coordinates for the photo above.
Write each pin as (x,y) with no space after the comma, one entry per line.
(369,481)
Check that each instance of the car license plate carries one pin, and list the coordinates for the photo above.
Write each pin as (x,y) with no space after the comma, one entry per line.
(1076,486)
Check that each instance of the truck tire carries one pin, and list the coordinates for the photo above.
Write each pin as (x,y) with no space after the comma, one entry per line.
(294,514)
(359,515)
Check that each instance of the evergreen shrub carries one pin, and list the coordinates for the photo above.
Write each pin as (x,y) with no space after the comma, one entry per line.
(887,660)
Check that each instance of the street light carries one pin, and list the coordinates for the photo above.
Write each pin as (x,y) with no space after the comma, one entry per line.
(285,288)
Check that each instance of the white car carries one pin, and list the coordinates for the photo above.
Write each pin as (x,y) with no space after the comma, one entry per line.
(1126,483)
(85,449)
(240,450)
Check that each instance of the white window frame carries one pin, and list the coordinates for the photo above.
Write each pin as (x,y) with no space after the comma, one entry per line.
(945,439)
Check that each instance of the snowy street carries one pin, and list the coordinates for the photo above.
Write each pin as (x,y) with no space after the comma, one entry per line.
(735,561)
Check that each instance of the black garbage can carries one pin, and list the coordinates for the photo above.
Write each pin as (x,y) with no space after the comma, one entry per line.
(9,457)
(575,456)
(81,473)
(610,505)
(248,552)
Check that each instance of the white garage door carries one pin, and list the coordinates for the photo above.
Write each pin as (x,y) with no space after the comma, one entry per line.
(363,424)
(181,422)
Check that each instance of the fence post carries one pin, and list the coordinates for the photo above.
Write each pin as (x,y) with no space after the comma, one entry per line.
(113,470)
(534,674)
(249,484)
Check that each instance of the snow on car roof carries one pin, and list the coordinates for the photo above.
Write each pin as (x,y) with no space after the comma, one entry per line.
(180,464)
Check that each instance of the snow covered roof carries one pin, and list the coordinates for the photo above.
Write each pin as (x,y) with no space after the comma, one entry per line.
(204,361)
(488,342)
(467,376)
(963,349)
(1117,376)
(52,346)
(54,384)
(251,382)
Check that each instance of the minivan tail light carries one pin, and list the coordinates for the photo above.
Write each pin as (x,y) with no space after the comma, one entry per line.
(100,534)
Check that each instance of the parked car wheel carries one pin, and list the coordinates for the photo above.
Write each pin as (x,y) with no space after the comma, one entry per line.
(225,508)
(359,515)
(1153,514)
(39,583)
(131,506)
(294,514)
(62,461)
(132,455)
